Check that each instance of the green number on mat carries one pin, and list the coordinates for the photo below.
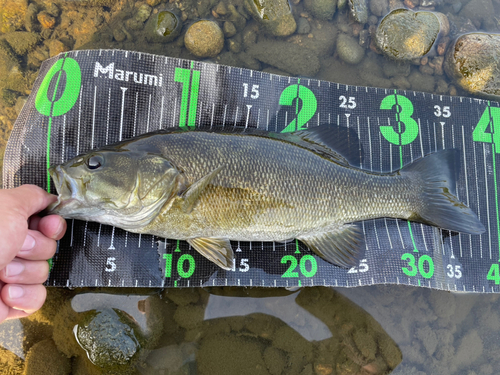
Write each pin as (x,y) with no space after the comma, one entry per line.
(180,265)
(404,110)
(184,76)
(303,266)
(413,267)
(490,116)
(308,109)
(494,273)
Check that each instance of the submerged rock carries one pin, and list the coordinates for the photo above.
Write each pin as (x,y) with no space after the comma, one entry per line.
(406,35)
(12,14)
(286,56)
(204,39)
(274,15)
(359,10)
(349,49)
(109,338)
(322,9)
(473,63)
(163,27)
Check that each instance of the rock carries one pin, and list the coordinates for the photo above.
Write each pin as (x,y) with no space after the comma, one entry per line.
(204,39)
(153,3)
(421,82)
(286,56)
(275,16)
(12,14)
(56,47)
(472,61)
(47,20)
(37,363)
(20,102)
(321,39)
(478,11)
(22,42)
(30,20)
(163,27)
(349,50)
(406,35)
(229,29)
(109,337)
(303,26)
(379,7)
(141,15)
(322,9)
(358,10)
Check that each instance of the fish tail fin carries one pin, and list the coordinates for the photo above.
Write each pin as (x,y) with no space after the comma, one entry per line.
(438,204)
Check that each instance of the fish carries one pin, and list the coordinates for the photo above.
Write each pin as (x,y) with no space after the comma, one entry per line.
(212,187)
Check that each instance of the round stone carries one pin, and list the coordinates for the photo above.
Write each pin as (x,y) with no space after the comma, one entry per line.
(406,35)
(349,49)
(204,39)
(473,63)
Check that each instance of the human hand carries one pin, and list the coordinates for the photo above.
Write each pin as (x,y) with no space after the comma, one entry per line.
(26,243)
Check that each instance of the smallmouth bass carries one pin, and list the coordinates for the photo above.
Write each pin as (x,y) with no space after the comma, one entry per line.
(210,187)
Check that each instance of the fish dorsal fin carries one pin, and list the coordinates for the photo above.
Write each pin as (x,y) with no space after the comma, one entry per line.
(335,142)
(191,195)
(343,247)
(217,250)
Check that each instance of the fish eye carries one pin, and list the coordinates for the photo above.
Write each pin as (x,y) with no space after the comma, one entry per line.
(94,162)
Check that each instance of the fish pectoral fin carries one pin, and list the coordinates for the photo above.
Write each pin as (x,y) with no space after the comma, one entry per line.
(191,195)
(217,250)
(343,247)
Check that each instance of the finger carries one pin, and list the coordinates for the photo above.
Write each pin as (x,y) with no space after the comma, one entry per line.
(30,199)
(52,226)
(37,247)
(33,222)
(27,298)
(21,271)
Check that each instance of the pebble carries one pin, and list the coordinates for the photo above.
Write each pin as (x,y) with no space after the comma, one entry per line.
(303,26)
(321,9)
(204,39)
(46,20)
(229,29)
(358,10)
(349,49)
(406,35)
(275,16)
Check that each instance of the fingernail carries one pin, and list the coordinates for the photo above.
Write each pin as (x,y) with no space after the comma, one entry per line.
(14,268)
(16,292)
(29,243)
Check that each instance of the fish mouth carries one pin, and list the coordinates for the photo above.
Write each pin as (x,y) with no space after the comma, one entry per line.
(67,189)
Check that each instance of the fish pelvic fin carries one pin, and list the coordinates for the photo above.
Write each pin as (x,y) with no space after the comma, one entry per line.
(191,195)
(343,247)
(438,204)
(217,250)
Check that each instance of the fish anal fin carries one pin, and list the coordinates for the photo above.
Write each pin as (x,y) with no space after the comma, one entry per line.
(192,193)
(217,250)
(343,247)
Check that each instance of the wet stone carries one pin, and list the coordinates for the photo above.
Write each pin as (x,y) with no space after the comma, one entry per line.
(229,29)
(322,9)
(204,39)
(163,27)
(349,49)
(108,337)
(473,63)
(359,10)
(406,35)
(275,16)
(303,26)
(46,20)
(12,14)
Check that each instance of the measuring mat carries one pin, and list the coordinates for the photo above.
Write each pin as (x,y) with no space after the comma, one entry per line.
(86,99)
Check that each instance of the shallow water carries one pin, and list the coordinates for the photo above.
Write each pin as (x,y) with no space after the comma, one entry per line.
(229,331)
